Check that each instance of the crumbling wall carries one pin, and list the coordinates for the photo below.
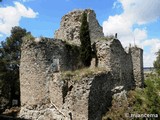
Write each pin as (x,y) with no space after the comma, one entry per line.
(89,97)
(137,58)
(70,27)
(46,94)
(122,64)
(86,98)
(39,59)
(111,55)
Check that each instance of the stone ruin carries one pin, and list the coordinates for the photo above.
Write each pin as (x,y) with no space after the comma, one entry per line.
(48,94)
(70,26)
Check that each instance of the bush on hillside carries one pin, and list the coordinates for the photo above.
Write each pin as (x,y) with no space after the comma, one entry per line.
(139,101)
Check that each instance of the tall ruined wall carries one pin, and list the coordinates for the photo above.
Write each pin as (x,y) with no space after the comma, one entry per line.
(49,92)
(86,98)
(137,58)
(70,27)
(111,55)
(127,65)
(40,58)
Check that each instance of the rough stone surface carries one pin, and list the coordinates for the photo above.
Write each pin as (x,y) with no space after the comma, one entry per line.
(38,60)
(137,58)
(3,104)
(70,27)
(47,95)
(41,112)
(125,64)
(89,97)
(42,84)
(86,99)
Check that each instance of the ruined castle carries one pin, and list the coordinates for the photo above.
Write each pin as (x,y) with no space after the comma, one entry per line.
(48,92)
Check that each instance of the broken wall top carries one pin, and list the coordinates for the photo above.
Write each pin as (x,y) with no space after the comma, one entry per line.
(70,27)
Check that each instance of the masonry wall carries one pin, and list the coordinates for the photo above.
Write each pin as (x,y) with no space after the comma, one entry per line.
(70,27)
(137,58)
(112,56)
(87,98)
(90,96)
(46,94)
(39,59)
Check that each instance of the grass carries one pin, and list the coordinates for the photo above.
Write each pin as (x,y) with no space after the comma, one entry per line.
(80,73)
(107,38)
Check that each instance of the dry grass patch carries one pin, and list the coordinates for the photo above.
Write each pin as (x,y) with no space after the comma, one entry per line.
(85,72)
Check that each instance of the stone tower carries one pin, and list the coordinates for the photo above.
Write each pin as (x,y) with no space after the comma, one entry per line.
(70,27)
(137,60)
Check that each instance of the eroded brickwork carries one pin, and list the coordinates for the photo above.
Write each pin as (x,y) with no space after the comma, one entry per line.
(46,94)
(70,27)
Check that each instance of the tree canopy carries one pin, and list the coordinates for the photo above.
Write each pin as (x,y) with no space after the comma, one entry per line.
(10,53)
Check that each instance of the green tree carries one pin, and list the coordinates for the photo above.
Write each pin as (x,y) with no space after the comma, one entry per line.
(157,63)
(86,50)
(147,99)
(10,53)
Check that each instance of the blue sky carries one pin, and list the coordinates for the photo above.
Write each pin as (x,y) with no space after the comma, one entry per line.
(131,19)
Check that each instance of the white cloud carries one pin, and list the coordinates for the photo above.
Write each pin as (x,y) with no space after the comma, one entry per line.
(141,11)
(26,0)
(149,56)
(154,45)
(117,24)
(1,35)
(139,36)
(24,12)
(10,16)
(135,12)
(148,59)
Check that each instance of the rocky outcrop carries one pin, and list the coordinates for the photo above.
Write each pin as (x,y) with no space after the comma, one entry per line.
(70,27)
(41,112)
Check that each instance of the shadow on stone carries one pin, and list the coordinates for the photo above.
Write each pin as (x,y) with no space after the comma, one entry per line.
(100,97)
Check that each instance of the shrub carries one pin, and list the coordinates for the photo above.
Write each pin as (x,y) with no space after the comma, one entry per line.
(139,101)
(85,51)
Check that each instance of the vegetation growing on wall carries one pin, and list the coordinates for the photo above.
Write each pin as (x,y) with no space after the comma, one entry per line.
(86,50)
(80,73)
(108,38)
(139,101)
